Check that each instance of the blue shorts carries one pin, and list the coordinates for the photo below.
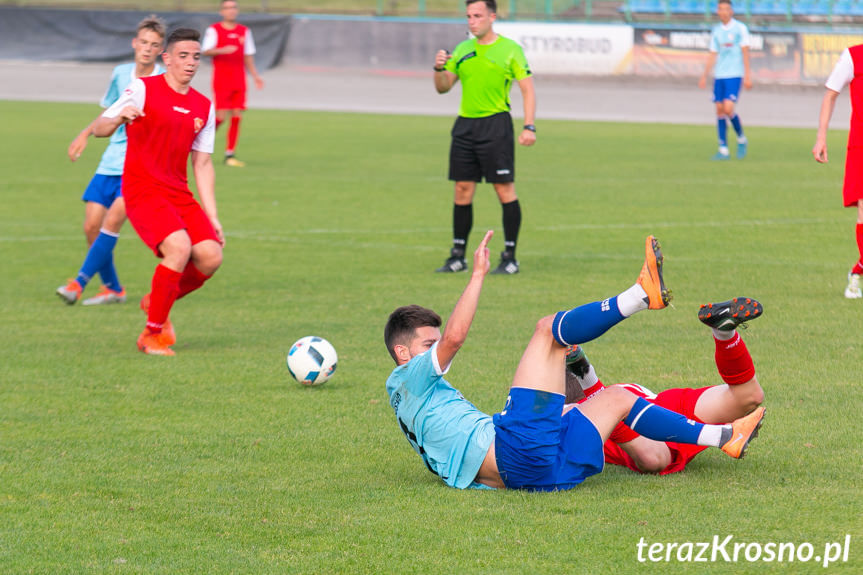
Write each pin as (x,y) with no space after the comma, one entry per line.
(726,89)
(103,189)
(537,449)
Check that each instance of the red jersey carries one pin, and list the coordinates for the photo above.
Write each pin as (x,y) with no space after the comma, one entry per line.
(855,136)
(160,141)
(229,70)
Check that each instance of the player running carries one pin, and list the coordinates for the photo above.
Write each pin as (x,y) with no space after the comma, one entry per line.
(167,122)
(105,210)
(729,52)
(739,396)
(232,47)
(535,443)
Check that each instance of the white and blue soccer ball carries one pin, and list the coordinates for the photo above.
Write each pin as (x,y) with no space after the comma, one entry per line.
(312,360)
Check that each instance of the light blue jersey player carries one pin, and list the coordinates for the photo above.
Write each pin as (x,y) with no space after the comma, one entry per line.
(450,434)
(729,62)
(535,442)
(105,210)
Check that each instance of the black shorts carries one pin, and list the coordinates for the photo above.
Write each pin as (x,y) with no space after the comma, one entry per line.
(483,148)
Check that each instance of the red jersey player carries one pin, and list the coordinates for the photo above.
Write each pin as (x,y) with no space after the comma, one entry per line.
(166,122)
(233,48)
(848,70)
(740,395)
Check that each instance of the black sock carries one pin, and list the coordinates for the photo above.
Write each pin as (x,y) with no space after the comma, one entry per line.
(462,222)
(511,225)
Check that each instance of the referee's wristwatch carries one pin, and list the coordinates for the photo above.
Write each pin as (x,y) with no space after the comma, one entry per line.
(530,127)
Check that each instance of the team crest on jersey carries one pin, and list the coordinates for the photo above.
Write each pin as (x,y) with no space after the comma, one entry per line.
(199,123)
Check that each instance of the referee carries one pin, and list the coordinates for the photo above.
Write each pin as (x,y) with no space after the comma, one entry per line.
(482,136)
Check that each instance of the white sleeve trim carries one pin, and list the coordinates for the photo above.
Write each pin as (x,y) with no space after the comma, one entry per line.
(434,358)
(205,140)
(249,44)
(135,94)
(210,39)
(842,74)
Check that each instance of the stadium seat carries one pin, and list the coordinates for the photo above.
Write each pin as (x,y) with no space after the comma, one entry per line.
(842,7)
(686,6)
(647,6)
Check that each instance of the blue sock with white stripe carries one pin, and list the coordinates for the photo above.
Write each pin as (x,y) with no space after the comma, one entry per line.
(661,424)
(738,127)
(722,129)
(591,320)
(100,258)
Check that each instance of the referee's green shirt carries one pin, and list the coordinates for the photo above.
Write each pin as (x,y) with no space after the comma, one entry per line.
(486,73)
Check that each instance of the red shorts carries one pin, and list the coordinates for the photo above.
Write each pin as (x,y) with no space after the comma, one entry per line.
(156,217)
(680,400)
(229,98)
(852,190)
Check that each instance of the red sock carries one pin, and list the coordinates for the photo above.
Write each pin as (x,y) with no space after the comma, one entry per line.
(622,434)
(219,122)
(164,290)
(858,267)
(733,360)
(233,133)
(191,280)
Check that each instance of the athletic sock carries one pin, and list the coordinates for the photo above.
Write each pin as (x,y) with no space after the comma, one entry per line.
(462,223)
(511,225)
(219,122)
(233,134)
(163,293)
(722,130)
(633,300)
(191,280)
(738,128)
(858,267)
(733,360)
(586,322)
(100,260)
(661,424)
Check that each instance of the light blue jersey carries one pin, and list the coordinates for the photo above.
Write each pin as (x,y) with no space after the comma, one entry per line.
(115,154)
(727,41)
(450,434)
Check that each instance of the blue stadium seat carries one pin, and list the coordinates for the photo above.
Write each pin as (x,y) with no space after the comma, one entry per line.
(810,8)
(842,7)
(769,7)
(647,6)
(856,8)
(686,6)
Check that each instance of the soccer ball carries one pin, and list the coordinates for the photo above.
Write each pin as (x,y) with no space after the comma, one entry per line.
(312,360)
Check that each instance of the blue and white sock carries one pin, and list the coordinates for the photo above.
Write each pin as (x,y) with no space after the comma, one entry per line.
(100,258)
(660,424)
(591,320)
(722,130)
(738,128)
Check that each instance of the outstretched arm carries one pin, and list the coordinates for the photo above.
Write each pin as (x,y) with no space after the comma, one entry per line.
(458,324)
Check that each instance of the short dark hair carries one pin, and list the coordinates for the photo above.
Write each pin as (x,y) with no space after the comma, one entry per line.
(403,323)
(724,2)
(490,4)
(182,35)
(152,23)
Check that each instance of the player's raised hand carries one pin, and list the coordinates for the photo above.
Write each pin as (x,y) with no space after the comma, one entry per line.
(480,256)
(78,145)
(441,58)
(130,113)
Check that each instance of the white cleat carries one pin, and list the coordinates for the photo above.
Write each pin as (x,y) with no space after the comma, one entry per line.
(853,290)
(106,295)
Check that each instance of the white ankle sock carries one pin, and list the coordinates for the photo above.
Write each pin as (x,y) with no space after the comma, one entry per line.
(632,300)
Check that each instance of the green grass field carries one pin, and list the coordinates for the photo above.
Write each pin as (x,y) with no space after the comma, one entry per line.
(215,461)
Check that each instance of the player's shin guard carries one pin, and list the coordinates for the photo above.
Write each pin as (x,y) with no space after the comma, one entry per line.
(511,225)
(191,280)
(586,322)
(738,127)
(164,291)
(733,360)
(658,423)
(722,130)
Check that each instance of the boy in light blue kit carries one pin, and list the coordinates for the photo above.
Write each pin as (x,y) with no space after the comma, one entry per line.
(536,443)
(105,210)
(729,53)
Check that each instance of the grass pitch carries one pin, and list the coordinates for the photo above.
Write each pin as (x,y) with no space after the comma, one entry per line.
(215,461)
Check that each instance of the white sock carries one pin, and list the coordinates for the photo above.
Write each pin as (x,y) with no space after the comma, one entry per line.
(742,140)
(632,300)
(723,150)
(589,379)
(723,335)
(711,435)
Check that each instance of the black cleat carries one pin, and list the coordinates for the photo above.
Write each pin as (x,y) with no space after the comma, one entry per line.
(508,264)
(454,263)
(726,316)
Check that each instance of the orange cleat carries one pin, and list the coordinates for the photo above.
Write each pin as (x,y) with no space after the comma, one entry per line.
(106,295)
(729,315)
(169,336)
(154,343)
(69,293)
(743,431)
(650,278)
